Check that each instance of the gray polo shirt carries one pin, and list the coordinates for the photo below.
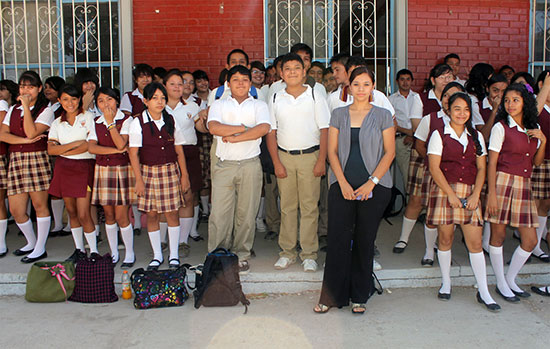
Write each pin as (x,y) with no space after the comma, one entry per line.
(370,139)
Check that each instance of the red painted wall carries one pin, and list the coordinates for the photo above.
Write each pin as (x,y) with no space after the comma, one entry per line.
(496,32)
(190,34)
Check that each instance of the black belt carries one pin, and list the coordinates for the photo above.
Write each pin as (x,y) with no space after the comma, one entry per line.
(299,152)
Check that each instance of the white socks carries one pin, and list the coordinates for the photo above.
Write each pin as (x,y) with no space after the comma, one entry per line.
(519,258)
(194,232)
(430,235)
(444,258)
(497,262)
(3,230)
(477,261)
(137,217)
(540,230)
(91,238)
(78,238)
(174,238)
(185,229)
(28,230)
(57,213)
(43,230)
(406,228)
(128,239)
(112,238)
(154,238)
(163,231)
(204,204)
(486,236)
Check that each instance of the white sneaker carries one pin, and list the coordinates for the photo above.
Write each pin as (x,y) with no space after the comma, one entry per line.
(283,263)
(309,265)
(375,265)
(260,225)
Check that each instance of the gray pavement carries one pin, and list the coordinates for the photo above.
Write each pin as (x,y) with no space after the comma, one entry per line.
(411,318)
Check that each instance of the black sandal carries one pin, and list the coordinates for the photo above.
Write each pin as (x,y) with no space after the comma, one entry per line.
(397,249)
(174,265)
(156,266)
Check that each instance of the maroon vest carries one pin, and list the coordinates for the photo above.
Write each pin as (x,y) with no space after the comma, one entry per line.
(16,128)
(157,146)
(137,105)
(457,165)
(104,139)
(435,124)
(516,155)
(544,122)
(429,105)
(485,113)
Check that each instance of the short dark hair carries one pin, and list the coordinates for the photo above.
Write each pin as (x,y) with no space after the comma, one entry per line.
(71,90)
(200,74)
(291,57)
(341,58)
(142,69)
(85,75)
(506,66)
(318,65)
(237,50)
(404,72)
(13,88)
(171,73)
(449,56)
(302,47)
(241,69)
(355,61)
(327,71)
(496,78)
(277,60)
(106,90)
(55,82)
(258,65)
(160,72)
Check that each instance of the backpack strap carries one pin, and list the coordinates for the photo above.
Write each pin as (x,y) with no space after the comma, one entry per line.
(219,91)
(253,92)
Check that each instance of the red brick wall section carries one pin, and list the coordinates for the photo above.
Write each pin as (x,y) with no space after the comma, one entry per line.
(190,34)
(496,32)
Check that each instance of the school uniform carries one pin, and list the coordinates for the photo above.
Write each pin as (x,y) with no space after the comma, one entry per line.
(318,89)
(540,178)
(132,102)
(515,202)
(458,164)
(159,163)
(114,180)
(430,102)
(4,156)
(236,178)
(298,122)
(485,109)
(477,118)
(73,174)
(29,167)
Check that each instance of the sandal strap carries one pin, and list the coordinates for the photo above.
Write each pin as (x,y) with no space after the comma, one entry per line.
(174,259)
(155,261)
(401,241)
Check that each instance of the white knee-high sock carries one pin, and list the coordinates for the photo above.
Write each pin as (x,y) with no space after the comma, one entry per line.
(78,237)
(174,239)
(154,238)
(406,229)
(91,238)
(112,238)
(497,262)
(444,259)
(57,213)
(68,226)
(137,217)
(163,231)
(430,235)
(540,230)
(204,204)
(28,230)
(477,261)
(519,258)
(42,232)
(3,230)
(193,231)
(128,239)
(486,236)
(185,229)
(261,212)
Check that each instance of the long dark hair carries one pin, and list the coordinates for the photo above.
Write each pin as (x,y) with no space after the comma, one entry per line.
(32,78)
(469,126)
(148,93)
(477,80)
(13,88)
(72,91)
(530,114)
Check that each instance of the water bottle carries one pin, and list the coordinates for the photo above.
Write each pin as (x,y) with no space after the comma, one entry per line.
(126,290)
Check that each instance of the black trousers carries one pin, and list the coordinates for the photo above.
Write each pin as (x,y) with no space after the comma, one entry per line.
(352,228)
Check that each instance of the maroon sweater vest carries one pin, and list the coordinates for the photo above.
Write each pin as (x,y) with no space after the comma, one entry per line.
(137,105)
(485,113)
(429,105)
(157,146)
(516,155)
(104,139)
(457,165)
(435,124)
(544,122)
(16,128)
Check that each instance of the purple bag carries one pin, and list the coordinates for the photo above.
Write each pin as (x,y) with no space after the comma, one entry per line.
(95,280)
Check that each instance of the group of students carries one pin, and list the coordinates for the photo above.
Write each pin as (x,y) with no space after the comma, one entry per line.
(283,136)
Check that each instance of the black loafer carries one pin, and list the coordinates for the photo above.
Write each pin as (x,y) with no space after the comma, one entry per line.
(491,306)
(522,294)
(76,256)
(20,252)
(543,257)
(3,254)
(427,262)
(399,249)
(128,265)
(197,238)
(513,299)
(444,296)
(65,233)
(28,259)
(54,233)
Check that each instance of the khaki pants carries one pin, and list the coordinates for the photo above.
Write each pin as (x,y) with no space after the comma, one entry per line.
(299,189)
(236,192)
(402,157)
(272,214)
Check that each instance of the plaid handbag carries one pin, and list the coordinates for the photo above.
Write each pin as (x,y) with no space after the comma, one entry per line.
(159,288)
(95,280)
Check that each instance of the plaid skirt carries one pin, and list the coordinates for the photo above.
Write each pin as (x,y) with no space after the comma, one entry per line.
(440,212)
(114,186)
(204,148)
(4,171)
(72,178)
(515,202)
(426,188)
(416,174)
(540,181)
(193,163)
(162,188)
(29,172)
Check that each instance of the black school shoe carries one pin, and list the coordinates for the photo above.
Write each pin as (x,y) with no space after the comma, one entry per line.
(76,257)
(514,299)
(490,306)
(28,259)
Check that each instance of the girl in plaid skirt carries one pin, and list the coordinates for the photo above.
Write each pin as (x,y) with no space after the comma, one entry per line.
(457,165)
(113,179)
(158,163)
(29,170)
(515,145)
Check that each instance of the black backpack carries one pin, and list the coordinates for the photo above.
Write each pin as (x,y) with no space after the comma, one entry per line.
(219,284)
(389,211)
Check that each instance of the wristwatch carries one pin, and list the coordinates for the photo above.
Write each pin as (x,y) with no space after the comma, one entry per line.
(375,180)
